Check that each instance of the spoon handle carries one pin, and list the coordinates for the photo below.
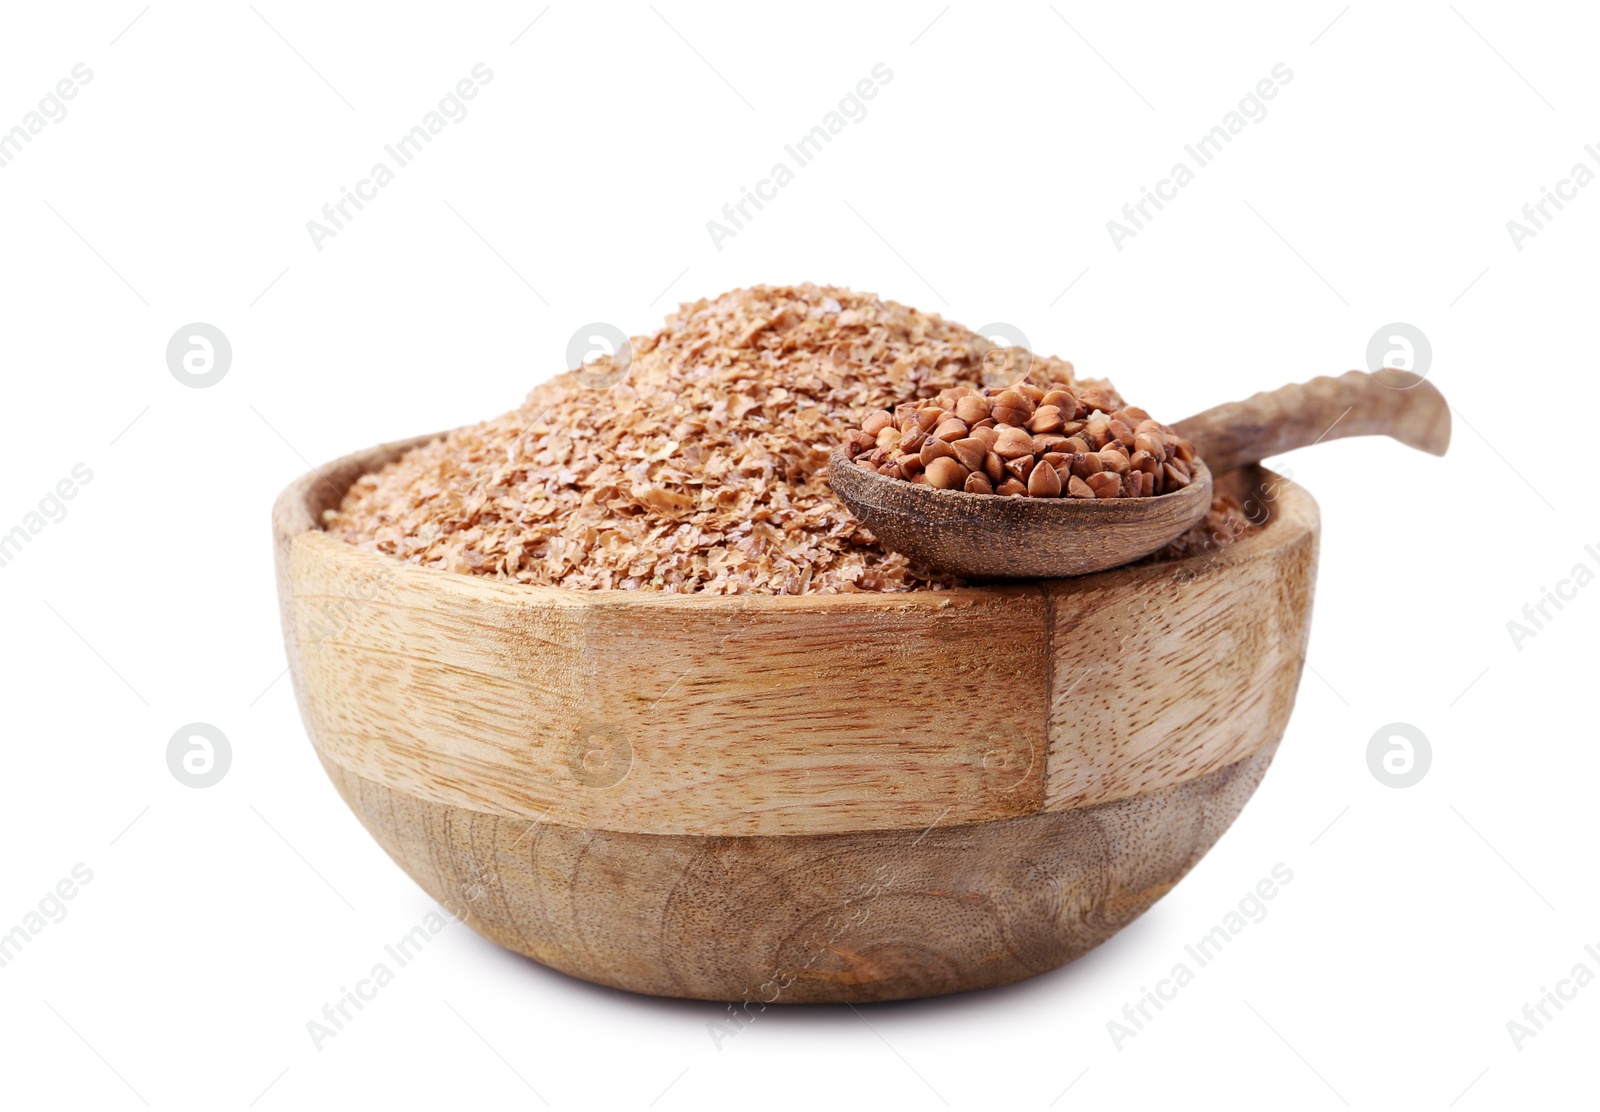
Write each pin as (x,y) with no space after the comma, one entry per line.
(1390,403)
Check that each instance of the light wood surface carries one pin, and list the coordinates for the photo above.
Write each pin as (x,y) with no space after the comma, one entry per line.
(801,715)
(1185,672)
(674,794)
(827,918)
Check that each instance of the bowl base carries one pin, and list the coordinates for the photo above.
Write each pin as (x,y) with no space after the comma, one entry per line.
(827,918)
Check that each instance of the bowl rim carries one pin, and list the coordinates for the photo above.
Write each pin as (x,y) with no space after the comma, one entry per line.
(508,755)
(296,517)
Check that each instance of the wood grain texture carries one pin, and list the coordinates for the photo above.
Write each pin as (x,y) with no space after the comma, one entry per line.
(990,536)
(729,716)
(1391,403)
(849,917)
(737,718)
(1211,655)
(784,800)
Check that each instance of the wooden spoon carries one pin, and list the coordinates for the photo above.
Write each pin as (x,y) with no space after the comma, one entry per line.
(987,536)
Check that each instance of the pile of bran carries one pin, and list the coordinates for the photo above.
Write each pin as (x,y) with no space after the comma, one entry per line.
(702,469)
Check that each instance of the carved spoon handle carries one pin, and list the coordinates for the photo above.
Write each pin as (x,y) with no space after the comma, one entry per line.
(1390,403)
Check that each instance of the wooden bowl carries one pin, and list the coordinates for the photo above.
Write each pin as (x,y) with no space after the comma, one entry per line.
(797,799)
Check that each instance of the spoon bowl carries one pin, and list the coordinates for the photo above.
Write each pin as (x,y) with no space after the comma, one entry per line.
(989,536)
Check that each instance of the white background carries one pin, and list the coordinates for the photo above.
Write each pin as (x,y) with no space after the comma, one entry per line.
(1377,189)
